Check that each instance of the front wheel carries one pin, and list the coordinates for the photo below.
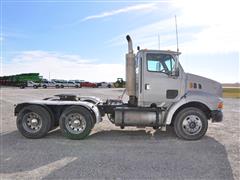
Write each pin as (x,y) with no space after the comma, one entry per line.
(76,122)
(190,124)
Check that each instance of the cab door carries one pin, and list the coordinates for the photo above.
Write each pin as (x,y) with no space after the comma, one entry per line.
(160,86)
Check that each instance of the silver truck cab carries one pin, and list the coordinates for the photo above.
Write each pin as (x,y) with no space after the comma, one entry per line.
(162,82)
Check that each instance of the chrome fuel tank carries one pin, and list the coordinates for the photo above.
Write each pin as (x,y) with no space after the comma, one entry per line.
(130,116)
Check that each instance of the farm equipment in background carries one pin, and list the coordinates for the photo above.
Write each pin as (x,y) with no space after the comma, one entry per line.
(120,83)
(20,80)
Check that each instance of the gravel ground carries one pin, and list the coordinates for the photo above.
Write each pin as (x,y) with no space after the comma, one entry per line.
(111,153)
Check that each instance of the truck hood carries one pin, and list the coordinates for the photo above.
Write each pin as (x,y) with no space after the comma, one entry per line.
(199,83)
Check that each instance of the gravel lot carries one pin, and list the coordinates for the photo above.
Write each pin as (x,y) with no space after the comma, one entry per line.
(111,153)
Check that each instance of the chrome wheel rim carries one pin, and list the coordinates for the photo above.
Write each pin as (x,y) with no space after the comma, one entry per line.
(192,125)
(32,122)
(75,123)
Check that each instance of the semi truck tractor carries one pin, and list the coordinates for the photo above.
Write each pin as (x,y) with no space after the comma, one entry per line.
(159,94)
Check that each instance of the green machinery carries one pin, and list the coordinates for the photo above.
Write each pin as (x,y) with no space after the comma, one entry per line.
(119,83)
(20,79)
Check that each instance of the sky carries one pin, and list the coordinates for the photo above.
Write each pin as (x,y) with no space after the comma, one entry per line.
(85,40)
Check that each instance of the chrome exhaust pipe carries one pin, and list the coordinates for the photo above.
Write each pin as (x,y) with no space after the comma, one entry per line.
(130,73)
(130,46)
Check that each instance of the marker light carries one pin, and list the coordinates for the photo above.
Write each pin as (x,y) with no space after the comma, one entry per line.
(220,105)
(190,85)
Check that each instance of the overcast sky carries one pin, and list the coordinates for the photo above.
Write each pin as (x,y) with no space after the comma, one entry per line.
(86,39)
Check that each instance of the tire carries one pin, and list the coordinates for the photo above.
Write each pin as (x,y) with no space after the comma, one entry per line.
(76,131)
(34,131)
(54,123)
(44,86)
(190,124)
(57,86)
(62,86)
(76,86)
(35,87)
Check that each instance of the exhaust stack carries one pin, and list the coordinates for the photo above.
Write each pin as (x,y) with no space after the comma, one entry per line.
(130,73)
(130,46)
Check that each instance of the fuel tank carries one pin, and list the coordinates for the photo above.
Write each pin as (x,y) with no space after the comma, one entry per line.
(135,116)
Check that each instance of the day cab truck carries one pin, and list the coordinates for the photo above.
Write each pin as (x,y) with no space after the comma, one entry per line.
(160,94)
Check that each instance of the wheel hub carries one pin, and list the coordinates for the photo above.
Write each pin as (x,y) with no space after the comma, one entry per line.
(76,123)
(32,122)
(192,125)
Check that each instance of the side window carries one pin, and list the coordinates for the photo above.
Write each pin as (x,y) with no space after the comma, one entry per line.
(155,66)
(160,63)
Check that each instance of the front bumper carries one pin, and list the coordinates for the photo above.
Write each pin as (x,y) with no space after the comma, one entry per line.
(217,116)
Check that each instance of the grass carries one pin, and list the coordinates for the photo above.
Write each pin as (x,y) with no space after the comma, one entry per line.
(231,92)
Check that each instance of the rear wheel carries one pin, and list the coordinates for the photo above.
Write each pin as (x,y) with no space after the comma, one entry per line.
(62,86)
(33,121)
(76,122)
(44,86)
(190,124)
(35,86)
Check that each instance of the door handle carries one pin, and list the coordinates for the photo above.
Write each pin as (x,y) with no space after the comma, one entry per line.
(147,87)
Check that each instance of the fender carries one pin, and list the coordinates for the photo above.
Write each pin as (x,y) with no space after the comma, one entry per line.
(92,107)
(209,100)
(92,99)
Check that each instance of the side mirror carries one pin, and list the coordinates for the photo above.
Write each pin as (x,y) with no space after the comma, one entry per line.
(175,72)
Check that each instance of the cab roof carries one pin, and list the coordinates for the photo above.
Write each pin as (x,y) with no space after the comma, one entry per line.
(160,51)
